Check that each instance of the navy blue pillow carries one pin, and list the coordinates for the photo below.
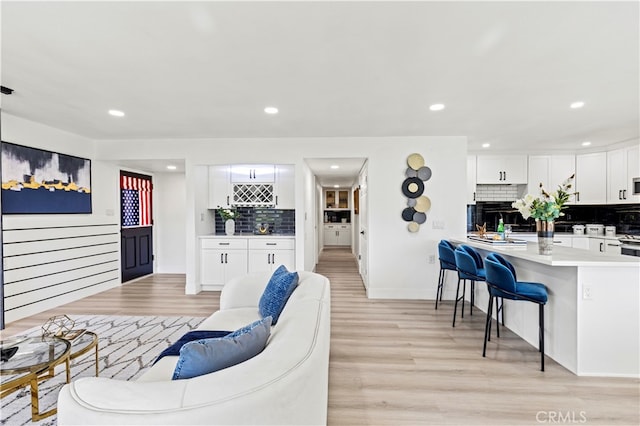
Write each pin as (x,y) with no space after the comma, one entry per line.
(277,292)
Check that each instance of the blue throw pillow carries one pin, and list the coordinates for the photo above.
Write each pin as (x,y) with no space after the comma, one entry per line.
(208,355)
(277,292)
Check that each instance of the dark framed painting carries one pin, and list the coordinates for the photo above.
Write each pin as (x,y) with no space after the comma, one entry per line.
(37,181)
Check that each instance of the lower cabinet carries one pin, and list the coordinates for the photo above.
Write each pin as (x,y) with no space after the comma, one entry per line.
(337,234)
(604,245)
(222,259)
(266,255)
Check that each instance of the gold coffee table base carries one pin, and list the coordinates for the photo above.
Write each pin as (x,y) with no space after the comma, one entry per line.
(34,375)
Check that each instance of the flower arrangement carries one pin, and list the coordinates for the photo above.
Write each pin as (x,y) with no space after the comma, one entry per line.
(227,214)
(548,205)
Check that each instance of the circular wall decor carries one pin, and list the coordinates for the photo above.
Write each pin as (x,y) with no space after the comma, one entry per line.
(419,218)
(423,204)
(411,202)
(407,214)
(424,173)
(410,172)
(412,187)
(413,227)
(415,161)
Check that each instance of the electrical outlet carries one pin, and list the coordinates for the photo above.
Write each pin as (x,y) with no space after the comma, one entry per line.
(432,258)
(201,217)
(586,293)
(438,224)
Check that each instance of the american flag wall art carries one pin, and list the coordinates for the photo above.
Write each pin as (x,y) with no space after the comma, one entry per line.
(136,200)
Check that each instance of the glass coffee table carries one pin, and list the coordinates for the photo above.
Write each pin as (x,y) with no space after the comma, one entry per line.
(32,359)
(83,344)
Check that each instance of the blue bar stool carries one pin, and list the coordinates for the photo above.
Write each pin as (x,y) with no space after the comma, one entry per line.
(470,267)
(501,281)
(447,263)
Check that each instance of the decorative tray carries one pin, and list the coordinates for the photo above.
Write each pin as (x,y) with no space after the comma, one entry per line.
(489,240)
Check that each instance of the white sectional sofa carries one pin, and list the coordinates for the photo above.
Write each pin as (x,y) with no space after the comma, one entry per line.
(285,384)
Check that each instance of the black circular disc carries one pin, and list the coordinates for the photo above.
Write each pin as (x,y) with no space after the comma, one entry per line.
(412,187)
(407,214)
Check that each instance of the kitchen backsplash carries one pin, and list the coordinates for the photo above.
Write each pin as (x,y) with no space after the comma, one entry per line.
(282,222)
(499,192)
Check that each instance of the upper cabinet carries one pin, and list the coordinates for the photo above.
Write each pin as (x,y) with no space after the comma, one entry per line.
(285,186)
(219,187)
(471,179)
(550,170)
(336,199)
(591,179)
(252,185)
(622,166)
(501,169)
(253,173)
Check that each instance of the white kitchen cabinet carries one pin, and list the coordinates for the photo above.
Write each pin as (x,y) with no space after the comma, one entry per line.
(550,170)
(267,254)
(285,186)
(604,245)
(591,179)
(622,166)
(253,173)
(501,169)
(580,243)
(219,187)
(338,234)
(336,199)
(471,179)
(221,260)
(564,241)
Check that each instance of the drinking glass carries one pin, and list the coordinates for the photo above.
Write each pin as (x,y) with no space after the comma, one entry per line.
(507,231)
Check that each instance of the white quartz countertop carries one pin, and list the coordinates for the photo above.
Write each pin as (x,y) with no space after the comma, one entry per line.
(561,256)
(245,236)
(563,234)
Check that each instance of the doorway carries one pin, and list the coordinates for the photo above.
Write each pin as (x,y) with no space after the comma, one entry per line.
(136,232)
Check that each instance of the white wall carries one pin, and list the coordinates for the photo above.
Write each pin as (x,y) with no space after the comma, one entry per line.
(397,259)
(169,200)
(310,219)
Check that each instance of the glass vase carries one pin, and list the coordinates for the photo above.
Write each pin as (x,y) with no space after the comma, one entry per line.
(545,236)
(230,227)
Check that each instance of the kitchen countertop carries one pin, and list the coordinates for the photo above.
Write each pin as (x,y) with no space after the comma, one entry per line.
(564,234)
(561,256)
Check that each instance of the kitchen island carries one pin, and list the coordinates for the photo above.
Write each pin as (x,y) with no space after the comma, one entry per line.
(592,318)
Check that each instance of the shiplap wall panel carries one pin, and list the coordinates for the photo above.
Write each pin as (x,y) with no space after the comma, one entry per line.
(28,279)
(54,262)
(41,259)
(43,246)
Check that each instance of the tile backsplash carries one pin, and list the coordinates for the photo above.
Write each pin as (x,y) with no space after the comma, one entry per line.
(282,222)
(500,192)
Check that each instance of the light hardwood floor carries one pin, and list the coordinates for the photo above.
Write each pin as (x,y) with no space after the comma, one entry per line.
(400,362)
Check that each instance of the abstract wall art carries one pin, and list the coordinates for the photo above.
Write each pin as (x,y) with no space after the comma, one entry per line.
(37,181)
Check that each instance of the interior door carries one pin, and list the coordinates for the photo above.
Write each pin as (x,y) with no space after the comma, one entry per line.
(136,230)
(363,234)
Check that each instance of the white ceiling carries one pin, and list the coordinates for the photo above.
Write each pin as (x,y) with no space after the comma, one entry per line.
(506,71)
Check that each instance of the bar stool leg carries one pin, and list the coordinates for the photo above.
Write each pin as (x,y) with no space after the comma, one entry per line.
(464,292)
(455,306)
(472,298)
(487,327)
(440,285)
(541,334)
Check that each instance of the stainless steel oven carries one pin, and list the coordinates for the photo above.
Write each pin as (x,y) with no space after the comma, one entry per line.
(630,245)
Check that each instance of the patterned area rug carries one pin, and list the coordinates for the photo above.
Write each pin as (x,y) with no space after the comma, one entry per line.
(127,346)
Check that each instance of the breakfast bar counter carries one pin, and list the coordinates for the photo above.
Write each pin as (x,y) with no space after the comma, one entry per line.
(592,318)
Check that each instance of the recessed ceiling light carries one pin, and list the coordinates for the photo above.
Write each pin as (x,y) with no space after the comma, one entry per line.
(486,145)
(116,113)
(586,143)
(335,166)
(336,186)
(171,167)
(271,110)
(578,104)
(436,107)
